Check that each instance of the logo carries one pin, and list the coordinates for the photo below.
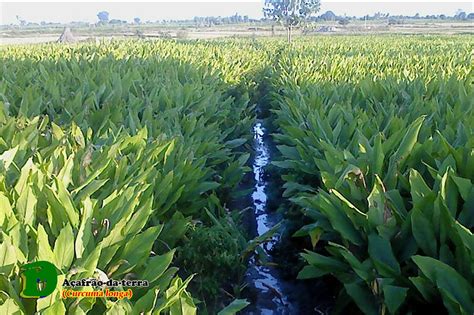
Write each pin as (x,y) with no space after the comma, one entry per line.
(39,279)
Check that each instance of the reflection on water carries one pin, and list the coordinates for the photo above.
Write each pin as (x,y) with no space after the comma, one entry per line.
(259,197)
(264,280)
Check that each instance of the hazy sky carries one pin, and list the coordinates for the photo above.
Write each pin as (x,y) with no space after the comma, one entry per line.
(67,11)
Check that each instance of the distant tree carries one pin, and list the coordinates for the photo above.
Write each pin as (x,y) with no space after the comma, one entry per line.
(377,15)
(209,21)
(328,16)
(460,15)
(136,20)
(394,20)
(199,21)
(290,13)
(470,16)
(21,21)
(103,16)
(117,21)
(343,21)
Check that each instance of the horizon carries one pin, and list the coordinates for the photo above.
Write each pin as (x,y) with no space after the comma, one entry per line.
(67,12)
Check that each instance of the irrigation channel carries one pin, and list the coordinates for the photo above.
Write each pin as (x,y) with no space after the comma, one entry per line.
(263,279)
(269,292)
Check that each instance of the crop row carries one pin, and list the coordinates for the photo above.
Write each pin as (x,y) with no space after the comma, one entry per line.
(377,151)
(109,154)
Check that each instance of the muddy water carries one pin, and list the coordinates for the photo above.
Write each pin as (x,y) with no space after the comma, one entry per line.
(269,291)
(259,196)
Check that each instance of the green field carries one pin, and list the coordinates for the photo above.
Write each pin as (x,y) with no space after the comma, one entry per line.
(126,159)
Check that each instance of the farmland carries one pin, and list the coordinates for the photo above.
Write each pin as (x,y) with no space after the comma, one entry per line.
(133,160)
(43,34)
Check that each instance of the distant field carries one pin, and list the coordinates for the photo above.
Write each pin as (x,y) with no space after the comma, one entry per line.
(28,35)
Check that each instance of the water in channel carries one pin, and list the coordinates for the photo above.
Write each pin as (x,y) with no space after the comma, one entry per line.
(269,290)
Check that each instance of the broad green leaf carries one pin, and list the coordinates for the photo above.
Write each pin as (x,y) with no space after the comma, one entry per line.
(243,159)
(363,270)
(394,297)
(184,306)
(423,231)
(449,192)
(380,251)
(235,143)
(157,265)
(234,307)
(6,158)
(356,213)
(84,234)
(449,280)
(464,186)
(377,156)
(7,217)
(65,174)
(65,199)
(8,257)
(138,249)
(378,212)
(408,140)
(310,272)
(175,290)
(57,308)
(89,262)
(324,263)
(44,248)
(89,189)
(362,297)
(10,307)
(26,205)
(64,248)
(146,303)
(419,189)
(424,286)
(339,220)
(206,186)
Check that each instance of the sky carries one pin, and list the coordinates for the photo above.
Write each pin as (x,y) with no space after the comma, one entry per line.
(68,11)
